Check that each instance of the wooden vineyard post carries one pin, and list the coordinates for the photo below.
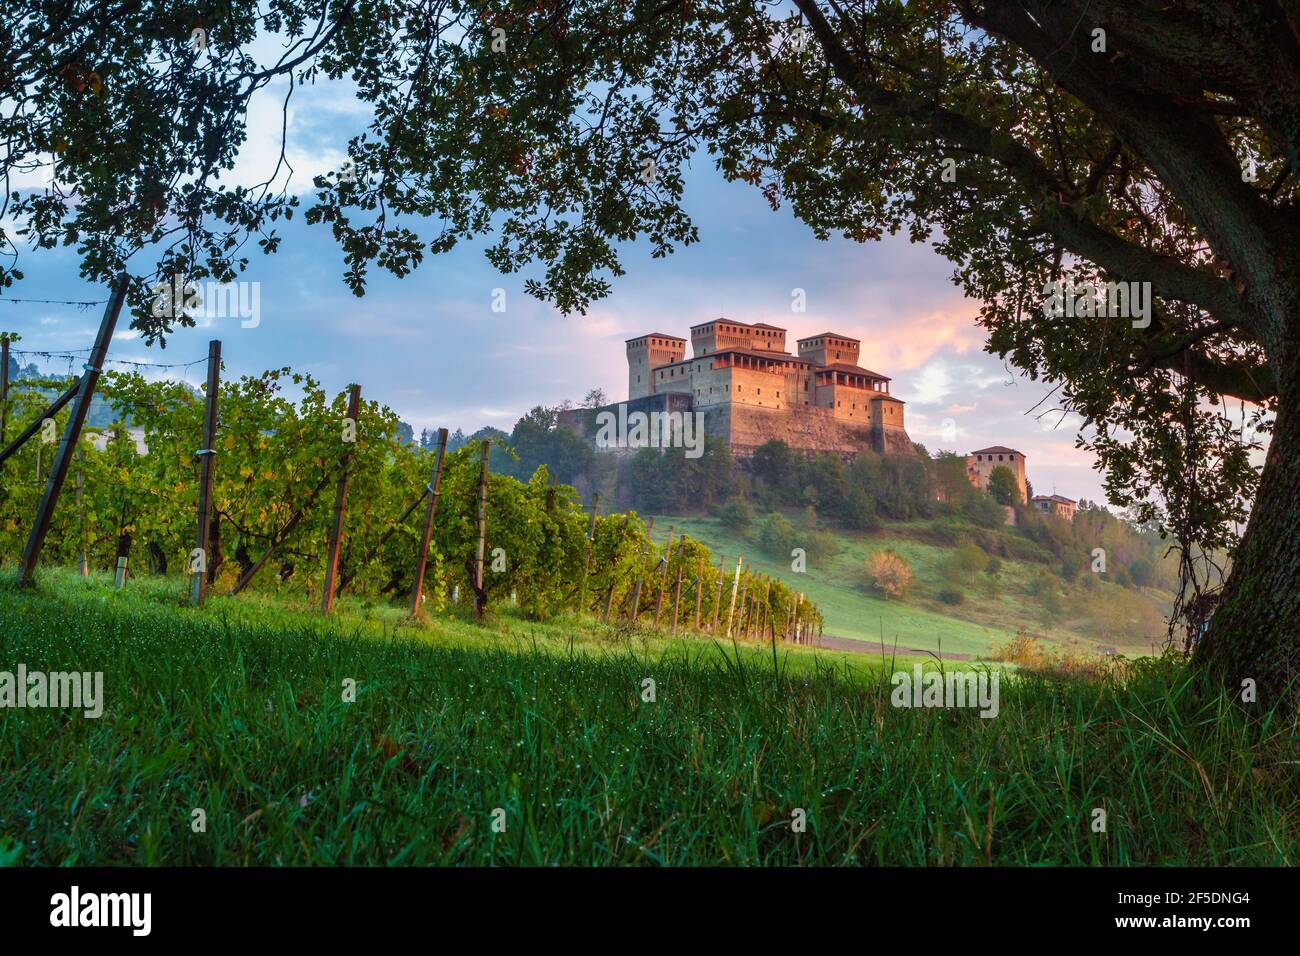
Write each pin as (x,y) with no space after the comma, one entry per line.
(677,592)
(699,589)
(340,502)
(760,619)
(717,597)
(4,386)
(480,602)
(735,586)
(635,610)
(208,460)
(83,566)
(586,561)
(71,434)
(609,603)
(422,557)
(663,577)
(123,555)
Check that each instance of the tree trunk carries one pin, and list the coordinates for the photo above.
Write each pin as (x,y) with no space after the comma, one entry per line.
(1255,630)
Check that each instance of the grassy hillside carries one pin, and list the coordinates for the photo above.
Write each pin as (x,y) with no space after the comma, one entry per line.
(1088,614)
(237,710)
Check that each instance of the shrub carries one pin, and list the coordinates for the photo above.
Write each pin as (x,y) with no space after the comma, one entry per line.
(951,595)
(776,535)
(737,514)
(888,573)
(982,510)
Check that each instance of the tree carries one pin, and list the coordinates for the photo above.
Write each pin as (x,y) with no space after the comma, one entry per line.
(775,466)
(888,573)
(965,561)
(948,477)
(1003,486)
(1034,141)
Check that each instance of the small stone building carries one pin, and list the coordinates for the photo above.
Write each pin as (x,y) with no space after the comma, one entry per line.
(1056,504)
(981,462)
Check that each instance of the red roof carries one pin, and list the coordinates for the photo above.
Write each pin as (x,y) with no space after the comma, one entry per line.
(829,335)
(743,325)
(658,335)
(1059,499)
(854,370)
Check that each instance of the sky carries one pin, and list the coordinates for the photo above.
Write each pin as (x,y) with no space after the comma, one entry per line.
(431,347)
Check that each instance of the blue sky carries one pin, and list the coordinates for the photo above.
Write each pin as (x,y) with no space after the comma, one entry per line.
(431,347)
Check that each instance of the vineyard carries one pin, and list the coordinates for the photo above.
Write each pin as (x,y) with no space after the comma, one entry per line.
(315,493)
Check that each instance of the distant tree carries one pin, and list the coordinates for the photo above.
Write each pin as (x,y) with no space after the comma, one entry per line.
(1142,571)
(1071,565)
(889,573)
(966,561)
(776,466)
(948,476)
(539,439)
(594,399)
(1003,487)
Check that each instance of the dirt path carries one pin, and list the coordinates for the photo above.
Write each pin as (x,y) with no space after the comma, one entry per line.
(876,648)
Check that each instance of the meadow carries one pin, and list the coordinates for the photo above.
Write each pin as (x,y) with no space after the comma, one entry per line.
(1130,621)
(522,743)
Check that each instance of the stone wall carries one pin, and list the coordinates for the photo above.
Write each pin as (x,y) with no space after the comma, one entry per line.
(744,426)
(812,429)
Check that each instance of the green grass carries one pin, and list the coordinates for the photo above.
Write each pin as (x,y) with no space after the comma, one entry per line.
(237,709)
(991,614)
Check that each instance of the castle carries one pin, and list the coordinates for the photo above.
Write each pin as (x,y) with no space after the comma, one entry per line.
(749,390)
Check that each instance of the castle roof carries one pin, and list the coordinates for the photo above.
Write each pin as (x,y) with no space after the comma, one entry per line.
(760,353)
(658,335)
(997,450)
(1059,499)
(829,335)
(743,325)
(854,370)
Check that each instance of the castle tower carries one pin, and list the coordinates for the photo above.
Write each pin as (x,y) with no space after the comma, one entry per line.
(829,348)
(647,353)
